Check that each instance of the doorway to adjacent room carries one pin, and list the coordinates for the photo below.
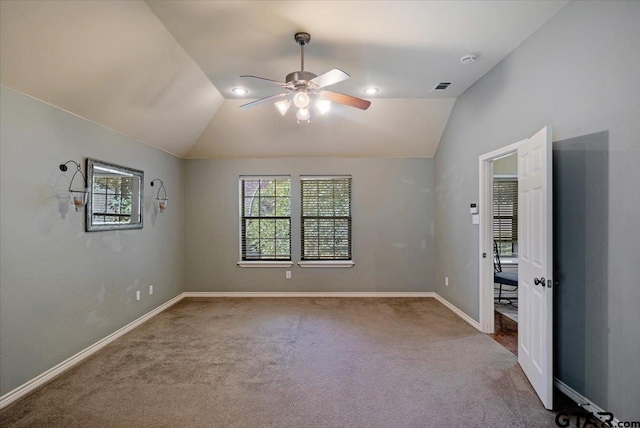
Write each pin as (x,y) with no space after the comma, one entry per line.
(505,251)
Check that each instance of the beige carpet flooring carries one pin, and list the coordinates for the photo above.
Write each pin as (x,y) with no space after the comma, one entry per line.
(292,362)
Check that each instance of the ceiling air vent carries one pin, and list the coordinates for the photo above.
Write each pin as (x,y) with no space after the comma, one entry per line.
(441,86)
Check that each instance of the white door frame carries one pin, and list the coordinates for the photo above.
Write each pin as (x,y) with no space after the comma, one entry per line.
(486,233)
(535,256)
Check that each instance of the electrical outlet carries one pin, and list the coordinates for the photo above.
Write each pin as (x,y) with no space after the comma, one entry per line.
(446,281)
(287,274)
(137,295)
(151,289)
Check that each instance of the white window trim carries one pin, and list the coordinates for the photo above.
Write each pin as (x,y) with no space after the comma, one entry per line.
(259,263)
(265,264)
(323,177)
(326,263)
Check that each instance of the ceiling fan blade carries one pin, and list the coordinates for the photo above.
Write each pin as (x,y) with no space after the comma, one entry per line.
(274,82)
(264,100)
(331,77)
(347,100)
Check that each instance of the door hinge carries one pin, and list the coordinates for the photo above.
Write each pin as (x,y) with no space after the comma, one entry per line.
(549,283)
(484,255)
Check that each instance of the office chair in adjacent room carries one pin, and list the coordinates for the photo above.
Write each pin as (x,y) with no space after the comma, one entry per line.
(503,278)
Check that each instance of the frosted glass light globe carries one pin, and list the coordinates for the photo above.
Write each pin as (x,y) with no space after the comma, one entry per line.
(323,106)
(301,100)
(283,106)
(303,114)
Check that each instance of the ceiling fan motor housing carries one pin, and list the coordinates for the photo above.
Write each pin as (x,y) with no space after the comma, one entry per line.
(299,77)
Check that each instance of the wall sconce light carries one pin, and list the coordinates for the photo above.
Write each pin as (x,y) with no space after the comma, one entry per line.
(161,202)
(78,194)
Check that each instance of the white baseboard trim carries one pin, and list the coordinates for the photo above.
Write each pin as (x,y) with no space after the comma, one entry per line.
(39,380)
(308,294)
(582,401)
(457,311)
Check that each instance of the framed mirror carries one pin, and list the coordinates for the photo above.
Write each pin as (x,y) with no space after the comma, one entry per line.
(115,196)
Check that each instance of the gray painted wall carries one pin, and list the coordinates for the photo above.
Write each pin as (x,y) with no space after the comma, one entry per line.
(62,289)
(580,248)
(392,210)
(579,74)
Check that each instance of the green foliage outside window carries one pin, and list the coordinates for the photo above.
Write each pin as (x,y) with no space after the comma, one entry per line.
(112,196)
(266,219)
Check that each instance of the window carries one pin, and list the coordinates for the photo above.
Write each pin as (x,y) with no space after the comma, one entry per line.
(326,218)
(111,200)
(266,218)
(505,215)
(115,199)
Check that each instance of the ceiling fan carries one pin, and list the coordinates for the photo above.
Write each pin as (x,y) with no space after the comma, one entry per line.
(303,88)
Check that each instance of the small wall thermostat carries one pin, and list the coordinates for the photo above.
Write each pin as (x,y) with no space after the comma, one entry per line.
(474,209)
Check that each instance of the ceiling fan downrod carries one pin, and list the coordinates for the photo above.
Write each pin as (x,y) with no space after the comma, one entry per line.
(302,39)
(300,78)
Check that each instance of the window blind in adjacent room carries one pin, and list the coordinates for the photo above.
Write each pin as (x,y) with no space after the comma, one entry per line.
(505,214)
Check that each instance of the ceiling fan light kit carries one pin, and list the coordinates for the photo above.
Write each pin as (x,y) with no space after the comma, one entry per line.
(301,99)
(303,114)
(303,88)
(323,106)
(283,106)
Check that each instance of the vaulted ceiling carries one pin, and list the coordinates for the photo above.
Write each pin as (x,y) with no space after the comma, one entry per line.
(162,71)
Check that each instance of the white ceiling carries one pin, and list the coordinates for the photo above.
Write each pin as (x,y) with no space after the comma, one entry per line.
(158,71)
(402,47)
(111,62)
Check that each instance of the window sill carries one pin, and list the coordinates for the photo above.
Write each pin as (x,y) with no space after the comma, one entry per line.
(326,264)
(265,264)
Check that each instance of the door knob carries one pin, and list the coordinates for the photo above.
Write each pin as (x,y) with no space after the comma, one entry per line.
(540,281)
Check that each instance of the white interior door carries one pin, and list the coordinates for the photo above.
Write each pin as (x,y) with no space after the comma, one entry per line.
(535,292)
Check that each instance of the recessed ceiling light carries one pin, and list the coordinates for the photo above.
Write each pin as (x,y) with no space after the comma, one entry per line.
(240,91)
(371,90)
